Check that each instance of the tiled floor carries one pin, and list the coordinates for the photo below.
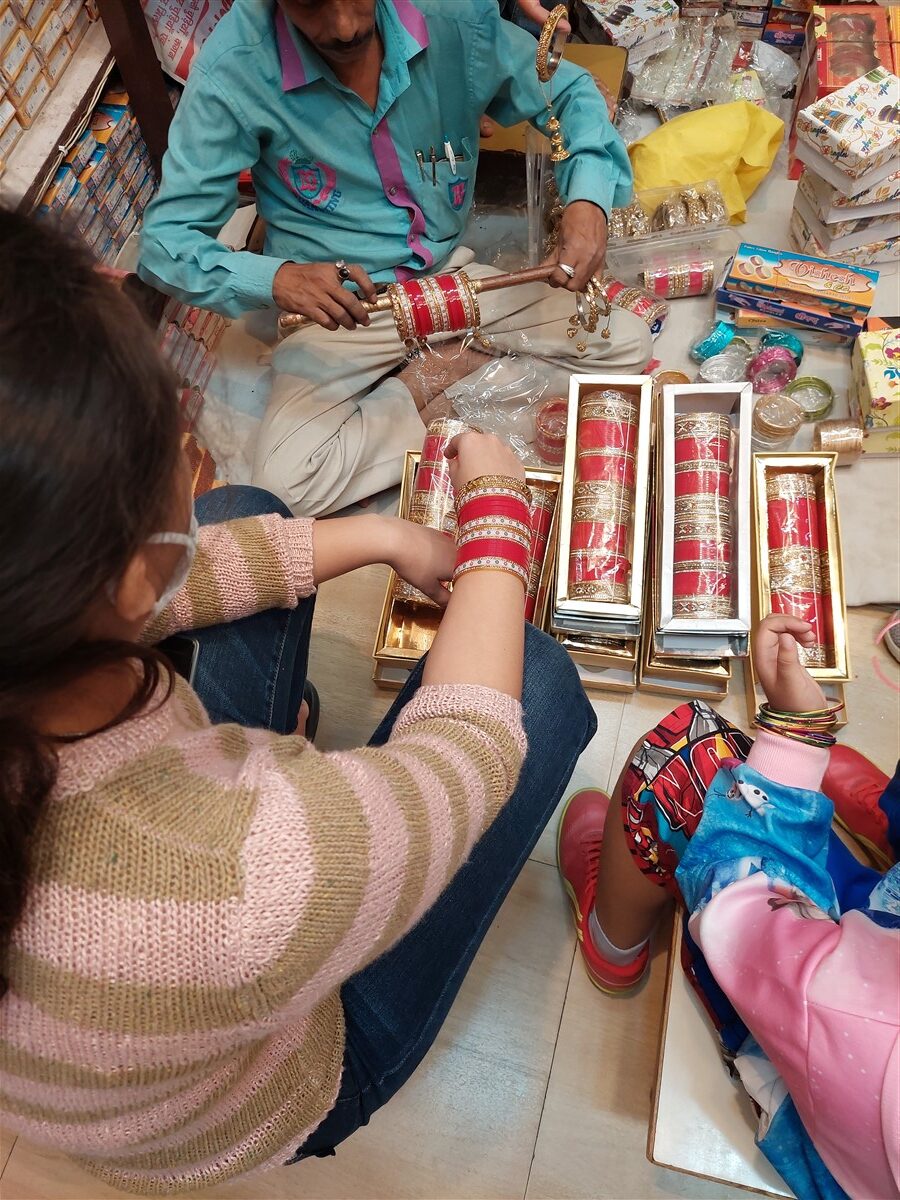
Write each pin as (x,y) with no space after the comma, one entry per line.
(539,1086)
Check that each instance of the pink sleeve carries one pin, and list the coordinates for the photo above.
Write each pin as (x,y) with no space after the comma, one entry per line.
(347,850)
(823,1000)
(242,567)
(790,763)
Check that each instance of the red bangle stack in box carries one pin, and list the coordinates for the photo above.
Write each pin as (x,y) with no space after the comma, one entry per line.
(432,502)
(702,579)
(540,516)
(603,498)
(795,559)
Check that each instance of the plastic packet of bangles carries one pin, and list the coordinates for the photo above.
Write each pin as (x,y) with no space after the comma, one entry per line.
(702,593)
(664,212)
(410,620)
(507,396)
(674,266)
(603,508)
(799,568)
(708,64)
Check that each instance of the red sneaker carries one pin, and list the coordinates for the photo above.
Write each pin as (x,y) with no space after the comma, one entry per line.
(577,854)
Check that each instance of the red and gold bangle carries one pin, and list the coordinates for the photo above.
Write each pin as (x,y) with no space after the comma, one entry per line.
(494,527)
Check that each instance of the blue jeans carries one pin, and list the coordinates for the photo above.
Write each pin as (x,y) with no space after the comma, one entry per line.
(252,671)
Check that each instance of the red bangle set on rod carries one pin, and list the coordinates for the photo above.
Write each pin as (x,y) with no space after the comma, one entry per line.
(434,304)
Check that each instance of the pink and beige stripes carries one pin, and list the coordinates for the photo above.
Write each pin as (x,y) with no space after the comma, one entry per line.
(174,1018)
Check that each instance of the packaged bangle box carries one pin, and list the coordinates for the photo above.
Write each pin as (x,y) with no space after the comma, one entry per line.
(672,674)
(603,506)
(409,620)
(703,511)
(659,214)
(851,40)
(798,279)
(798,561)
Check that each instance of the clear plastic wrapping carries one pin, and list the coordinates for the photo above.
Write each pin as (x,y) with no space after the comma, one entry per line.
(432,501)
(797,558)
(669,210)
(703,583)
(603,498)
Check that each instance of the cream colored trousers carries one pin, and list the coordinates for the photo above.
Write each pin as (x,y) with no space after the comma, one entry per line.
(338,424)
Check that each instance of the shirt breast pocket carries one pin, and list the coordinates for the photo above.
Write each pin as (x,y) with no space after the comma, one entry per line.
(455,182)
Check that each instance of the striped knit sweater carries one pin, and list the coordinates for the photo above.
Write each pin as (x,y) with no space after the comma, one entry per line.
(201,892)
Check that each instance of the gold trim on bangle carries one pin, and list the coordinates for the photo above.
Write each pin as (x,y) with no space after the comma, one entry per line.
(790,485)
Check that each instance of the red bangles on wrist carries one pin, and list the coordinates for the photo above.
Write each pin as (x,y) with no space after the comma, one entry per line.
(494,527)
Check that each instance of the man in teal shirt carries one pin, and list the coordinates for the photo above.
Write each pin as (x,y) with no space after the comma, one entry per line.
(336,105)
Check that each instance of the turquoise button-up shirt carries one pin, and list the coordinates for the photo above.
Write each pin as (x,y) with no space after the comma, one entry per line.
(335,179)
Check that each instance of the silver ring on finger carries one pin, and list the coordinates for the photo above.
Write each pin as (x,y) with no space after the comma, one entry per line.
(567,270)
(343,270)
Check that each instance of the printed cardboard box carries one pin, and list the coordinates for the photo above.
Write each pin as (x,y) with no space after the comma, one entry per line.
(875,389)
(855,131)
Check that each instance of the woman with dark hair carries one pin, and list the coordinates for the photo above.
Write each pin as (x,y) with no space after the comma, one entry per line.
(221,949)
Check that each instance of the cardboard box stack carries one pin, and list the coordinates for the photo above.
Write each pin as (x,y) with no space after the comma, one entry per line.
(787,24)
(750,16)
(38,39)
(642,27)
(799,289)
(106,180)
(846,203)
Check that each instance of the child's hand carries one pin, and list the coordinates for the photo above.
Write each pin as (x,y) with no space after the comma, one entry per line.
(788,685)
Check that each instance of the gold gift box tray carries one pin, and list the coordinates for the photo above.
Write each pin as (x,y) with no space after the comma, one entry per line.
(703,637)
(822,467)
(607,666)
(406,630)
(678,675)
(835,693)
(594,616)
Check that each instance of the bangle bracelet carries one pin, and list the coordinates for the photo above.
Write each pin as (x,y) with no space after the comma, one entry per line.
(493,485)
(491,564)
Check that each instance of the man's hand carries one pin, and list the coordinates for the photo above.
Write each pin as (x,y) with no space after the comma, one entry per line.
(582,245)
(787,684)
(315,290)
(424,558)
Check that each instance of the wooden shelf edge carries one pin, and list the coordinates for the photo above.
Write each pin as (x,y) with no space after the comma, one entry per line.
(41,149)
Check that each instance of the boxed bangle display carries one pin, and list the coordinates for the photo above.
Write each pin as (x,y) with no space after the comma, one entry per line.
(673,674)
(603,507)
(798,559)
(702,593)
(408,624)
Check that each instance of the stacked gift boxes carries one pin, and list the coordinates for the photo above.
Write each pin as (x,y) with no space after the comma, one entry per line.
(848,141)
(642,27)
(106,180)
(38,39)
(188,337)
(799,289)
(786,26)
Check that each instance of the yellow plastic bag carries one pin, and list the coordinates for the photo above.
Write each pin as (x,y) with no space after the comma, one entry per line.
(735,144)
